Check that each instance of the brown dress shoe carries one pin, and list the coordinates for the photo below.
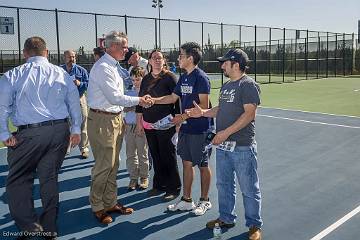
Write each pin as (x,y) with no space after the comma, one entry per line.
(211,224)
(121,209)
(254,233)
(103,217)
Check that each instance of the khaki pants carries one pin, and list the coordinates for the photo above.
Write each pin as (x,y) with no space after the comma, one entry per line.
(105,135)
(84,142)
(137,161)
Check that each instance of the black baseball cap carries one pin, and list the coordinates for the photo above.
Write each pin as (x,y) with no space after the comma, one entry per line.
(236,55)
(131,51)
(99,51)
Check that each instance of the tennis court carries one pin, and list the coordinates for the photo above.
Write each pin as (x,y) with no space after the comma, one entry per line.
(309,171)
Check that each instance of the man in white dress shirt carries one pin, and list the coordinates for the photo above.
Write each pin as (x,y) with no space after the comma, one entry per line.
(106,100)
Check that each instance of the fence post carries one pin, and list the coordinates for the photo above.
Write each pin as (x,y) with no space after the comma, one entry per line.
(283,56)
(295,60)
(240,36)
(335,53)
(57,34)
(179,28)
(202,42)
(156,45)
(269,61)
(344,54)
(19,39)
(255,59)
(96,29)
(126,24)
(327,54)
(2,61)
(222,49)
(307,55)
(318,56)
(352,53)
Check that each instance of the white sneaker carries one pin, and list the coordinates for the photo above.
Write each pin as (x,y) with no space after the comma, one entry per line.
(181,206)
(201,208)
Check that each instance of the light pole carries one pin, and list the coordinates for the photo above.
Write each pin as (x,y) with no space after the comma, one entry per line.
(158,4)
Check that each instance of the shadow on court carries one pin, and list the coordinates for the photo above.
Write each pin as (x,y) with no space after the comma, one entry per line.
(309,174)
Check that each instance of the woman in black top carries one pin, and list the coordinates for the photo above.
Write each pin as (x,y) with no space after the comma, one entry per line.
(157,83)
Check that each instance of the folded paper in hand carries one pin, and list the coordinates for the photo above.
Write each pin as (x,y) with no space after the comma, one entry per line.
(164,123)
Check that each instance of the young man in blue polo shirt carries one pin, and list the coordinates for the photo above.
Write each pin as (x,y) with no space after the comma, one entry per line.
(193,85)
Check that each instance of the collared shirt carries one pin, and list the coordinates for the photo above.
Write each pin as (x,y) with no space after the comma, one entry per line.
(37,91)
(142,63)
(106,89)
(130,116)
(125,75)
(80,74)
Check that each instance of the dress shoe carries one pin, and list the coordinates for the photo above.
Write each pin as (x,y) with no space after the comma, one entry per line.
(254,233)
(170,196)
(103,217)
(154,192)
(144,183)
(121,209)
(211,224)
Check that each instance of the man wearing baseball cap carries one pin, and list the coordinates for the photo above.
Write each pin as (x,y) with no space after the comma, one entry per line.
(235,123)
(133,58)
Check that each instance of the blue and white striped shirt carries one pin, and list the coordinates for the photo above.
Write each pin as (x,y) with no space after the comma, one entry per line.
(38,91)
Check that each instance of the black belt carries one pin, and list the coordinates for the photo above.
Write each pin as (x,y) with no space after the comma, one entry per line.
(40,124)
(104,112)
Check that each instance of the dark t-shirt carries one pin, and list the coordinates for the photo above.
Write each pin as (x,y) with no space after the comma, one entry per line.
(233,95)
(157,88)
(188,89)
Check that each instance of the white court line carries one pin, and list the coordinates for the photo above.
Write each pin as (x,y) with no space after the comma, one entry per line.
(336,224)
(306,121)
(294,110)
(3,148)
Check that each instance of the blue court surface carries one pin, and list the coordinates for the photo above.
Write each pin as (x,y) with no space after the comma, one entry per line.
(309,167)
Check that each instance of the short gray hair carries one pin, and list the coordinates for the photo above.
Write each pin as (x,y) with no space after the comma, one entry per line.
(67,52)
(114,37)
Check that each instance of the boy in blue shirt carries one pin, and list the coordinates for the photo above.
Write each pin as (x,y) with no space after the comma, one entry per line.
(137,160)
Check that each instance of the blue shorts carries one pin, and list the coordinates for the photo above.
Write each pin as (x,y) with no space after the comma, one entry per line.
(190,147)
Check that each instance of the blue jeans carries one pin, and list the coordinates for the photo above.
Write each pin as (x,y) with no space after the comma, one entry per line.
(242,163)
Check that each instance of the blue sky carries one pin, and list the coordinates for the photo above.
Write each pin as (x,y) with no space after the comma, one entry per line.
(322,15)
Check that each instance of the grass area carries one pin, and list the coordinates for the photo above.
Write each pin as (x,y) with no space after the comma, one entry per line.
(328,95)
(331,95)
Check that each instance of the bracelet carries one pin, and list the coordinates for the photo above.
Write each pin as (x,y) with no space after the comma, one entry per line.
(182,117)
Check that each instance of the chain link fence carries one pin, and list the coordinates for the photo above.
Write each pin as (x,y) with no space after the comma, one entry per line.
(276,54)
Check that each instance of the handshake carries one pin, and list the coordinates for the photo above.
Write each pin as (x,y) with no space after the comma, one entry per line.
(146,101)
